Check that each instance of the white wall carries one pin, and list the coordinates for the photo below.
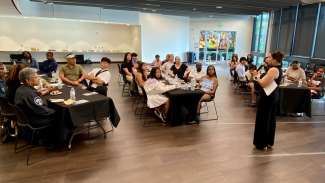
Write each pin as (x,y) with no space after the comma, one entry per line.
(160,34)
(243,25)
(44,34)
(163,34)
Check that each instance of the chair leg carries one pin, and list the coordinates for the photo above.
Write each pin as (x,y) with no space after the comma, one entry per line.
(215,108)
(16,144)
(30,149)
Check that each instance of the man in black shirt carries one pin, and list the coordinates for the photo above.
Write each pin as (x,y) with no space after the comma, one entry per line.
(28,99)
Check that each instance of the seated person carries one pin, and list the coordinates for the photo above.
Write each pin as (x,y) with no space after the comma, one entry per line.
(198,74)
(49,66)
(13,81)
(29,60)
(209,85)
(251,85)
(294,74)
(3,85)
(232,64)
(28,99)
(99,78)
(134,57)
(240,69)
(72,73)
(249,59)
(179,69)
(167,65)
(127,67)
(141,74)
(316,84)
(157,62)
(154,89)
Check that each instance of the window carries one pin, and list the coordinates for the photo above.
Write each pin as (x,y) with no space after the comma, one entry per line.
(305,30)
(275,30)
(287,29)
(261,27)
(320,39)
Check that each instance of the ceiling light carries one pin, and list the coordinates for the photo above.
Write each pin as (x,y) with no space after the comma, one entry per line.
(219,7)
(194,9)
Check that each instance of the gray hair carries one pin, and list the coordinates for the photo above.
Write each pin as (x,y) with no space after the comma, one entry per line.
(26,74)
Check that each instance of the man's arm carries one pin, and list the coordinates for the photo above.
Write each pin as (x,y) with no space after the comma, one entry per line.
(66,80)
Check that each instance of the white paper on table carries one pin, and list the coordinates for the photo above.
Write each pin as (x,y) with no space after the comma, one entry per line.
(89,94)
(270,88)
(80,102)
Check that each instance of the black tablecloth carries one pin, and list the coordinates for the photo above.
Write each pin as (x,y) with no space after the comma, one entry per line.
(73,116)
(183,105)
(294,99)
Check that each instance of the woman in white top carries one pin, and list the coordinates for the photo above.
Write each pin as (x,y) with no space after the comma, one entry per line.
(154,89)
(209,85)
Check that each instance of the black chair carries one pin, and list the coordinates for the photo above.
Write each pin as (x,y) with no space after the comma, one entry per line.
(125,83)
(7,115)
(120,78)
(24,123)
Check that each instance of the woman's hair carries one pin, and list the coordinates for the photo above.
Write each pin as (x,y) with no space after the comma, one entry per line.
(28,53)
(234,56)
(14,72)
(153,74)
(278,56)
(211,66)
(141,70)
(126,57)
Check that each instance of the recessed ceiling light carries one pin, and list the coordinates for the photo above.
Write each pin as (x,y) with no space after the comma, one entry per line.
(219,7)
(194,9)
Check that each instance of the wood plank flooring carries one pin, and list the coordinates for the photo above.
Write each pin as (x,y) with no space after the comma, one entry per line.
(215,151)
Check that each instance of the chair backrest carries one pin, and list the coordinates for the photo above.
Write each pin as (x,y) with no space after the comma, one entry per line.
(22,119)
(144,94)
(5,107)
(119,68)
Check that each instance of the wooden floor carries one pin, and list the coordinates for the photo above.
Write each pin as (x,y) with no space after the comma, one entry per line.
(214,151)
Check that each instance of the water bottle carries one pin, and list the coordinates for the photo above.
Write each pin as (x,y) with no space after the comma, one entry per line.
(72,94)
(300,83)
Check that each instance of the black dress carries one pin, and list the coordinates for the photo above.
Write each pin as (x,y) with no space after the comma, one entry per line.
(180,71)
(265,123)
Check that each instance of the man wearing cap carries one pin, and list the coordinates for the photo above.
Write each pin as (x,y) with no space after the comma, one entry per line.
(99,78)
(72,73)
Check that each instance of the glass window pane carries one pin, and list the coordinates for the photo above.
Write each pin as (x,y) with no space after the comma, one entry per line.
(263,33)
(320,40)
(305,30)
(287,29)
(275,30)
(257,31)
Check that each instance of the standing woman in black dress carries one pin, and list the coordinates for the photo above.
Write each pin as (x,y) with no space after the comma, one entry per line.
(267,106)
